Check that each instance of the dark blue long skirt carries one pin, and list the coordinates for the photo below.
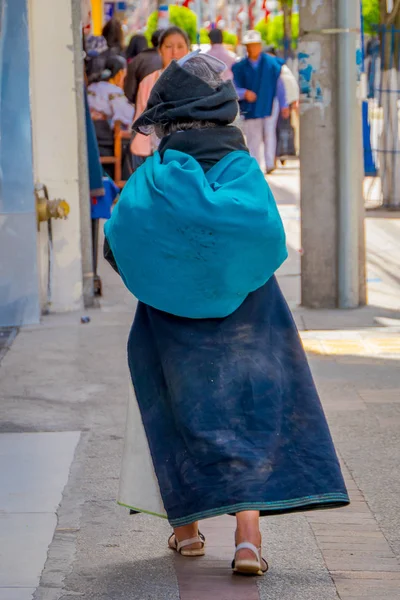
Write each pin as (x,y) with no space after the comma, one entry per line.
(231,412)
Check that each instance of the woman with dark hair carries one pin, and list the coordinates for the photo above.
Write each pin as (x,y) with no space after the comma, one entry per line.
(174,43)
(114,36)
(232,419)
(137,44)
(142,65)
(108,104)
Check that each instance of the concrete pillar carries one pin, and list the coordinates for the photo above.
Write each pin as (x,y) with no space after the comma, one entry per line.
(320,168)
(55,142)
(89,299)
(318,143)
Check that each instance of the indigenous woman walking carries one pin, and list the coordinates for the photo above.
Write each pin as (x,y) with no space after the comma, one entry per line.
(230,413)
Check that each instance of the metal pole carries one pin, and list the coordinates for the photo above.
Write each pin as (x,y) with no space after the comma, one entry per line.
(349,159)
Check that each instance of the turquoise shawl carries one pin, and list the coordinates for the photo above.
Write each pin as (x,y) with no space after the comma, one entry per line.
(195,244)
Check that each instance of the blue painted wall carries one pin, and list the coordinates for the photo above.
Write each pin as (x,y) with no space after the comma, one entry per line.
(19,286)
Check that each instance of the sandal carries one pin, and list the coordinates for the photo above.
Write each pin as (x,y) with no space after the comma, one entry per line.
(247,566)
(180,546)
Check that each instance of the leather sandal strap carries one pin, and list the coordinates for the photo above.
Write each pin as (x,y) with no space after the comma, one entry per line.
(264,565)
(249,546)
(199,539)
(170,539)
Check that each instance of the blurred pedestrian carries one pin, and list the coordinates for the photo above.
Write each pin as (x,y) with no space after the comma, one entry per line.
(146,62)
(108,104)
(291,86)
(114,36)
(219,51)
(137,44)
(262,96)
(223,389)
(174,43)
(292,98)
(96,54)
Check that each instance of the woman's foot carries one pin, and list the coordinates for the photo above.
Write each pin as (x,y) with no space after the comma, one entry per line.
(188,532)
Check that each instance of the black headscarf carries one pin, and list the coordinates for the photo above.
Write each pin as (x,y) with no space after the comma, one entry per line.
(137,44)
(179,96)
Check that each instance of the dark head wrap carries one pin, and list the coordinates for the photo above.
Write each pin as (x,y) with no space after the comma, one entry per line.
(114,64)
(137,44)
(180,96)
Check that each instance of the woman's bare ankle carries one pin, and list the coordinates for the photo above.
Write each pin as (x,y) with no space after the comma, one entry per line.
(248,530)
(187,532)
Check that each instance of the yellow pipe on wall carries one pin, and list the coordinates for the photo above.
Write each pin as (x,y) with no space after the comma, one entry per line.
(97,16)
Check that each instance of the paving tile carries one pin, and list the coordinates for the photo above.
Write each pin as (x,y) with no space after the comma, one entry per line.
(210,577)
(368,575)
(347,530)
(212,595)
(356,497)
(380,396)
(358,506)
(367,551)
(373,596)
(23,551)
(344,405)
(359,563)
(391,422)
(356,553)
(36,468)
(361,548)
(346,518)
(16,593)
(361,589)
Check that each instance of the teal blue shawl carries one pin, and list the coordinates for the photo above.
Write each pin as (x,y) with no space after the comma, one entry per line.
(194,244)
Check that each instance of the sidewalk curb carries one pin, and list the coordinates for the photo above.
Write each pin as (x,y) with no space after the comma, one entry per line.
(7,336)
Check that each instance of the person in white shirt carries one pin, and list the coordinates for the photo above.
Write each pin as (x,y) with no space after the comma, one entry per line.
(107,101)
(109,105)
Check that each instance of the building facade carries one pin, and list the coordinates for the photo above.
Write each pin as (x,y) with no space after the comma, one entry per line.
(42,142)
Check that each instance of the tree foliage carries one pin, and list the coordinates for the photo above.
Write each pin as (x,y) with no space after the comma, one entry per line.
(229,38)
(375,13)
(263,26)
(272,30)
(180,16)
(204,39)
(371,15)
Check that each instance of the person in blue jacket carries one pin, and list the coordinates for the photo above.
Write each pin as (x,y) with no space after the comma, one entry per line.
(262,95)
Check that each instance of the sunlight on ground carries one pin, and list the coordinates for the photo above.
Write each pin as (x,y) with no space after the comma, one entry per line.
(369,344)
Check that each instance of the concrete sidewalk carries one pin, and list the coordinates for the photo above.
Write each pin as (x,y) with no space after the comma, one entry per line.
(69,381)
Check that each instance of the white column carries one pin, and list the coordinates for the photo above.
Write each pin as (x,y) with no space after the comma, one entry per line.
(55,142)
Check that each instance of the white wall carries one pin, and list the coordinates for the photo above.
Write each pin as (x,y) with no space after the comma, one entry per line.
(55,144)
